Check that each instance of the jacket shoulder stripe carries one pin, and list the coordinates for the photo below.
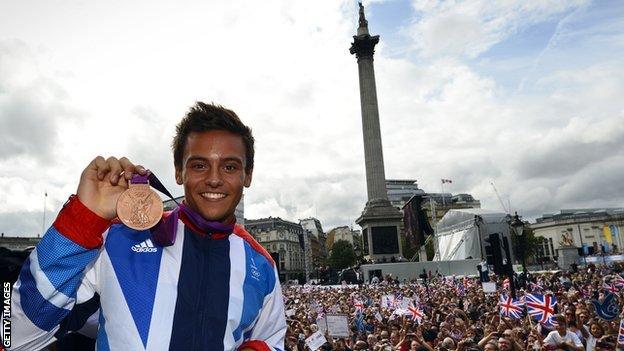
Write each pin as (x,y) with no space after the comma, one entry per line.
(63,261)
(41,313)
(240,231)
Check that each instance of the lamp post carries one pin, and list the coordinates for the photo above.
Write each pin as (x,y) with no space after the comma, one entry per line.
(517,227)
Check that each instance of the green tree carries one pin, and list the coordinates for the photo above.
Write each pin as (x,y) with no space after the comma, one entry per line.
(342,255)
(527,245)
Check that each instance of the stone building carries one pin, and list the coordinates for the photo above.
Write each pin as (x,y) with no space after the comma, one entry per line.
(589,228)
(284,241)
(318,239)
(18,243)
(401,190)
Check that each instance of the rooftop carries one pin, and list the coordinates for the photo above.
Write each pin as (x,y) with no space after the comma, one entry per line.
(566,214)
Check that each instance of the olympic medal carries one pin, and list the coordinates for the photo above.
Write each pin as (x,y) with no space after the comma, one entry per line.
(139,207)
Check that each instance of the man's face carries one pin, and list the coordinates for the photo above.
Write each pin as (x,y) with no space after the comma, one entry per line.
(213,174)
(504,344)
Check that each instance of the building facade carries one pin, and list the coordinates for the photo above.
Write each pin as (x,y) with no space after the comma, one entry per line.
(318,239)
(598,230)
(401,190)
(17,243)
(284,240)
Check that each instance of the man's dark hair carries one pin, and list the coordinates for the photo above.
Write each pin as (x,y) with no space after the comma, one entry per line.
(204,117)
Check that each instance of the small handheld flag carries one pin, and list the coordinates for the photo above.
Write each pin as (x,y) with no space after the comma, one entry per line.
(510,307)
(541,307)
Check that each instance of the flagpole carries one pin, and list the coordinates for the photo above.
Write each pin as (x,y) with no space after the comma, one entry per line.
(45,196)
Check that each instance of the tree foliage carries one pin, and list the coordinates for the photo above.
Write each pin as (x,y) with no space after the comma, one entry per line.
(342,255)
(526,246)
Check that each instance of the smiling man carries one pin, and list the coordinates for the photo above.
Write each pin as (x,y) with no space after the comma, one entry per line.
(196,281)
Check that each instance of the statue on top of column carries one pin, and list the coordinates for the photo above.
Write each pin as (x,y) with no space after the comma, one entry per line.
(363,21)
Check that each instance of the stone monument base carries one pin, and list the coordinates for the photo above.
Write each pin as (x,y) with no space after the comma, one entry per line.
(381,225)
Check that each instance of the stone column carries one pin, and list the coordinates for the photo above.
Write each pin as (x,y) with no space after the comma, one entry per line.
(380,221)
(373,152)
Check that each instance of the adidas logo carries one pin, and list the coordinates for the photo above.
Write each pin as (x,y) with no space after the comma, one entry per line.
(145,246)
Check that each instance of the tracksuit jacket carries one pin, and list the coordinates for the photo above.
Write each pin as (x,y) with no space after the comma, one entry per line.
(204,292)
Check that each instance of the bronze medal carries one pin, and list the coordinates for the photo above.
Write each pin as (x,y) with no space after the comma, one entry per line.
(139,207)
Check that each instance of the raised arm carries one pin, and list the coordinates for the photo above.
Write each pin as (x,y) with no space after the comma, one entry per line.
(59,273)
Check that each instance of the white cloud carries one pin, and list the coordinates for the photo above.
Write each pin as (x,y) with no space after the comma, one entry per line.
(471,27)
(119,86)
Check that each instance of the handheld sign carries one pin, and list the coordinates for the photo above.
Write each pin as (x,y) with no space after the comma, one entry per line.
(338,325)
(489,288)
(315,341)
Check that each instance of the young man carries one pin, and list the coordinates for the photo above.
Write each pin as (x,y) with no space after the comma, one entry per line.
(209,286)
(561,338)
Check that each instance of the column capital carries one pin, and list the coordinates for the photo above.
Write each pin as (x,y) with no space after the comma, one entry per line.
(363,46)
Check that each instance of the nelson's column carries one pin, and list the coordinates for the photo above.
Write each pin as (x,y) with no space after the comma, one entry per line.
(380,221)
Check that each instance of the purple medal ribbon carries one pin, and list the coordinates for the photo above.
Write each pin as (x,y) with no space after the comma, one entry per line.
(140,179)
(164,234)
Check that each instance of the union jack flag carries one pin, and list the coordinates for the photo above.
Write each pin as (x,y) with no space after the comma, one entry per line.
(535,287)
(506,284)
(541,307)
(359,306)
(621,334)
(551,322)
(510,307)
(618,281)
(611,288)
(415,313)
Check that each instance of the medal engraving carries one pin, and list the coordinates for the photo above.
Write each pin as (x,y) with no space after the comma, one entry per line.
(139,207)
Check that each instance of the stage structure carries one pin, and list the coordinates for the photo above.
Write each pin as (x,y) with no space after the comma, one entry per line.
(464,234)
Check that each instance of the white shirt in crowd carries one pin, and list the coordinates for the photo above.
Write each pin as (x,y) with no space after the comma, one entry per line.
(554,339)
(591,343)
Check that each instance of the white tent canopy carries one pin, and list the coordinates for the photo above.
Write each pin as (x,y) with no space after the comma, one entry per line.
(460,233)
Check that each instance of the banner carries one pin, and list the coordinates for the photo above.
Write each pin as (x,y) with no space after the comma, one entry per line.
(606,231)
(416,223)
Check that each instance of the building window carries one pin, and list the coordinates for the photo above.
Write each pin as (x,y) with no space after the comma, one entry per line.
(552,248)
(544,247)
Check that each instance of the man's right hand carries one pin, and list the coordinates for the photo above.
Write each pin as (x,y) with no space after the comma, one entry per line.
(103,181)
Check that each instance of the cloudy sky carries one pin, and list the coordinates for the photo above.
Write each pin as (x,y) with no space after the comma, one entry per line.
(526,94)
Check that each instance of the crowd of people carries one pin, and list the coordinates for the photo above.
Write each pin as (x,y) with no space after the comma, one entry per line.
(458,315)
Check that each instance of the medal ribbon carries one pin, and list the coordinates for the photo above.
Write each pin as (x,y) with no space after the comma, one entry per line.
(164,234)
